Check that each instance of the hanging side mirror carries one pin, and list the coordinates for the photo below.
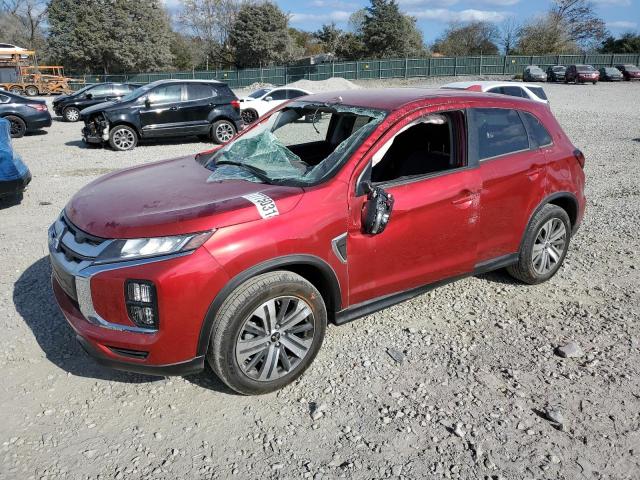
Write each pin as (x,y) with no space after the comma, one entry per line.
(147,102)
(377,210)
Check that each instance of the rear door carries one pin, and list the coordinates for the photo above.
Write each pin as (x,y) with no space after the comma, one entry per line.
(161,116)
(513,172)
(201,99)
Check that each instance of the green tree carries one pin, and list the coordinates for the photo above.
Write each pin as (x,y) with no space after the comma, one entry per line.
(627,43)
(471,38)
(387,32)
(329,37)
(112,35)
(260,36)
(351,47)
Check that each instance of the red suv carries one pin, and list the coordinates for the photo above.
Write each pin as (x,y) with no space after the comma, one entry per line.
(581,74)
(332,207)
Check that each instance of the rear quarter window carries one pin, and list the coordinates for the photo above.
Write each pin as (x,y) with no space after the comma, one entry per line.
(538,134)
(539,92)
(494,132)
(198,91)
(225,92)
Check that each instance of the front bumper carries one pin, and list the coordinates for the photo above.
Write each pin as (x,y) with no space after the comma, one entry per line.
(92,299)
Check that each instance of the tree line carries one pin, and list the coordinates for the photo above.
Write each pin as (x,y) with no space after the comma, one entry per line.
(115,36)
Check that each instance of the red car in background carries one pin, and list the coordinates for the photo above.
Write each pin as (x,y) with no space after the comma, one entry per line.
(581,74)
(629,72)
(241,256)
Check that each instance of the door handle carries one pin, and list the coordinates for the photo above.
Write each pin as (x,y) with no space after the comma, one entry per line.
(534,172)
(464,199)
(174,108)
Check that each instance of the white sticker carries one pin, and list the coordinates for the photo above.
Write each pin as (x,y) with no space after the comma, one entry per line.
(266,206)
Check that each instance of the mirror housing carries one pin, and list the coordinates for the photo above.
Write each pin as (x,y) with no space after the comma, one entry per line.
(376,211)
(268,99)
(89,96)
(147,102)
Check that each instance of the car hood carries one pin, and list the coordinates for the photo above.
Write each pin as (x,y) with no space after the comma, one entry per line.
(170,198)
(62,98)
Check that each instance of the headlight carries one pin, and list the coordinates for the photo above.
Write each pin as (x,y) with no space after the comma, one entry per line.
(135,248)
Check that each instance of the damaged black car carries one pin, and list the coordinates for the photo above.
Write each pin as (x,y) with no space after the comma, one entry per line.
(164,109)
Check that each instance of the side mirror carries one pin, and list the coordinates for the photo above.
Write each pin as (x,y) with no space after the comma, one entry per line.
(377,210)
(268,99)
(89,96)
(147,102)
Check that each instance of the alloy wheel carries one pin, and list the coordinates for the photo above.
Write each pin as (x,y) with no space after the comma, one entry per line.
(549,246)
(72,115)
(275,338)
(249,116)
(123,139)
(16,129)
(224,132)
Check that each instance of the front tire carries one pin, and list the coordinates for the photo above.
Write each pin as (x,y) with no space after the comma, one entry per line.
(222,131)
(545,246)
(123,138)
(249,116)
(267,332)
(17,126)
(71,114)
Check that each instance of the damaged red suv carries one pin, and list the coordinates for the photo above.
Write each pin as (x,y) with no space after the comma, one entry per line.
(330,208)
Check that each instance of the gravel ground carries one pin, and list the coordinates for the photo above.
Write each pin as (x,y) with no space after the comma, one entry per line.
(464,382)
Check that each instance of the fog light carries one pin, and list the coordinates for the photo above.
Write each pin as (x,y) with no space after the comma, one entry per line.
(142,303)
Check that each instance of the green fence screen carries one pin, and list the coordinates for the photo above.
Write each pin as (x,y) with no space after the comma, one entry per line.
(375,69)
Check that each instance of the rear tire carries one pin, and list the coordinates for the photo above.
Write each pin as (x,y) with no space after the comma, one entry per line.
(31,91)
(222,131)
(123,138)
(71,114)
(16,90)
(18,126)
(249,116)
(267,332)
(544,247)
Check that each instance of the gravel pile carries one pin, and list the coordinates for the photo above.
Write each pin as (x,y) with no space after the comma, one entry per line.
(481,379)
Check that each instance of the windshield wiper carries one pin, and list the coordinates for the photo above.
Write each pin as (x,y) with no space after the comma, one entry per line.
(258,172)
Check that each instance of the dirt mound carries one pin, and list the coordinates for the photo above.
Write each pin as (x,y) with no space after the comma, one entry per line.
(328,85)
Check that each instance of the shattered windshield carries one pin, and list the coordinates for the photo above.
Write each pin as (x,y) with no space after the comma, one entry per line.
(300,145)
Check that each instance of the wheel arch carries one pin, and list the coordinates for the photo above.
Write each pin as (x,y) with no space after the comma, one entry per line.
(565,200)
(122,121)
(313,269)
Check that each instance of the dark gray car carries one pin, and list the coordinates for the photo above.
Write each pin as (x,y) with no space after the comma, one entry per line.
(24,114)
(533,73)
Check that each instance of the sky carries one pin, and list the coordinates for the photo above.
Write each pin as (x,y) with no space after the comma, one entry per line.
(434,15)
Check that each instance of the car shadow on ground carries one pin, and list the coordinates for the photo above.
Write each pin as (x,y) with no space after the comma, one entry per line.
(498,276)
(34,301)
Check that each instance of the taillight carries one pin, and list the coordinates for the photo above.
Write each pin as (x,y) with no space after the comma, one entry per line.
(41,107)
(235,104)
(579,157)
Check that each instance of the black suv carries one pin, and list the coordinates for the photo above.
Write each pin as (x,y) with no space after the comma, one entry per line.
(166,108)
(69,106)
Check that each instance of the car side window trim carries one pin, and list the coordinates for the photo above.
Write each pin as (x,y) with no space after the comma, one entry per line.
(533,144)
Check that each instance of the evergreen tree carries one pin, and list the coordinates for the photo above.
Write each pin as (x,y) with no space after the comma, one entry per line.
(260,35)
(387,32)
(112,36)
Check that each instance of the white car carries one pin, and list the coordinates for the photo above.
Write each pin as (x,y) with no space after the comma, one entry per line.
(530,91)
(261,101)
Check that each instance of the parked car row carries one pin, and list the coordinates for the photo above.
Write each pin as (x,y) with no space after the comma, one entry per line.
(581,73)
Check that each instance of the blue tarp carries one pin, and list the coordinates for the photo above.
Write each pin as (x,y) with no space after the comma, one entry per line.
(11,166)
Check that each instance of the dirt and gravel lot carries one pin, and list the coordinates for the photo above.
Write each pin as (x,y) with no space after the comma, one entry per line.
(464,382)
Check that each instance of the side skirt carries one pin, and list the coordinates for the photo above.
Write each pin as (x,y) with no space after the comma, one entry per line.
(371,306)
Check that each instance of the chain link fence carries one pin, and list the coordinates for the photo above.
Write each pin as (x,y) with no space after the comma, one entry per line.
(374,69)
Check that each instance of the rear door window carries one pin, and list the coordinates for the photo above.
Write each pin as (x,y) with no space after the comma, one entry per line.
(101,90)
(198,91)
(513,91)
(539,135)
(295,94)
(495,132)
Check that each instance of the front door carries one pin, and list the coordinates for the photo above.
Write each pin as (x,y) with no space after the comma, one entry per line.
(431,235)
(161,115)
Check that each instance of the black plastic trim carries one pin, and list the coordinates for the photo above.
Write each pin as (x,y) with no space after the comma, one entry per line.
(555,196)
(270,265)
(195,365)
(371,306)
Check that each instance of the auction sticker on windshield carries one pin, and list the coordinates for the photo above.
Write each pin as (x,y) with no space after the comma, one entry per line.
(266,206)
